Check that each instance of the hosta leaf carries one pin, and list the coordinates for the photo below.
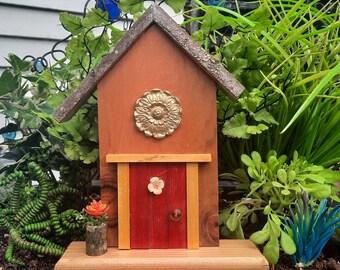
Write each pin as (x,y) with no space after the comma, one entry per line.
(212,20)
(256,129)
(236,127)
(71,23)
(271,250)
(176,5)
(260,237)
(287,243)
(264,116)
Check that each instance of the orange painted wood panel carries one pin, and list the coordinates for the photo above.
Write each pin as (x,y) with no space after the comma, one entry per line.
(151,225)
(231,254)
(124,206)
(155,61)
(192,205)
(118,158)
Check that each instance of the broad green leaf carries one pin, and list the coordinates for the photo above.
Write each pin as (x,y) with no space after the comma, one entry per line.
(282,175)
(176,5)
(199,37)
(265,116)
(212,20)
(8,82)
(131,6)
(249,104)
(253,217)
(260,237)
(95,17)
(287,244)
(232,222)
(285,192)
(242,209)
(116,35)
(276,219)
(246,160)
(277,184)
(274,229)
(256,159)
(319,191)
(18,64)
(256,129)
(236,66)
(236,127)
(71,23)
(71,150)
(271,250)
(330,176)
(291,176)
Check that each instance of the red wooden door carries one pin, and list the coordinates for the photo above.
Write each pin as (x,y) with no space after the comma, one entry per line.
(151,223)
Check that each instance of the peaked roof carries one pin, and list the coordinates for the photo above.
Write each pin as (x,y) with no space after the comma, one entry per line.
(153,15)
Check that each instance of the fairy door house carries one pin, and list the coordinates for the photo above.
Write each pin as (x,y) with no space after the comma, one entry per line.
(157,135)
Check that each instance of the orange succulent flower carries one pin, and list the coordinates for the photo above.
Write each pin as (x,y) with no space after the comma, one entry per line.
(96,208)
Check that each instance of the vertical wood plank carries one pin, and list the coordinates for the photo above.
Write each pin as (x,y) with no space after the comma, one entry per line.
(139,205)
(158,209)
(193,205)
(177,199)
(123,206)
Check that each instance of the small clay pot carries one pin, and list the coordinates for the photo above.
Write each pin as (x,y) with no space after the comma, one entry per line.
(96,240)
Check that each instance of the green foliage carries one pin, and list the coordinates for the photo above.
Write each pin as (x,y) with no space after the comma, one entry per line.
(34,222)
(311,227)
(270,190)
(289,67)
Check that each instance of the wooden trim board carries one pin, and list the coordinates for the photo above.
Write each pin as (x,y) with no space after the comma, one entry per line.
(231,254)
(192,206)
(134,158)
(123,206)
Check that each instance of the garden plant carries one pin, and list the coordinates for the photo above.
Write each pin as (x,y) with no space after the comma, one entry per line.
(279,138)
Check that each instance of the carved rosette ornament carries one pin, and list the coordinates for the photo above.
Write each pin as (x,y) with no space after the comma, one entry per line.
(157,113)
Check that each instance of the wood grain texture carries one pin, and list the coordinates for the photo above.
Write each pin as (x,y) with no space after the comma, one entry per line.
(172,71)
(231,254)
(153,16)
(151,226)
(123,206)
(192,205)
(134,158)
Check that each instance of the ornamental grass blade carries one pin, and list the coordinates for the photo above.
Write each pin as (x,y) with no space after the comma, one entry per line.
(317,90)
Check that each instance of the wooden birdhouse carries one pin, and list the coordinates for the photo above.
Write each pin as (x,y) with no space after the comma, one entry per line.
(157,135)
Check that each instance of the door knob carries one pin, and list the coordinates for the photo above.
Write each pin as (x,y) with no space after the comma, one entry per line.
(176,214)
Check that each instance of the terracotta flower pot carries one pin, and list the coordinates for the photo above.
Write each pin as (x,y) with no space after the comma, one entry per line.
(96,241)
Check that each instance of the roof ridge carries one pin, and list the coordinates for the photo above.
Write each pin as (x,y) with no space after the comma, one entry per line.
(154,14)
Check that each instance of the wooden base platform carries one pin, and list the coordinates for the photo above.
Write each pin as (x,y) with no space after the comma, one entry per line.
(231,254)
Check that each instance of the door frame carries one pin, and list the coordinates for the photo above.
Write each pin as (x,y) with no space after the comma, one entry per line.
(123,186)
